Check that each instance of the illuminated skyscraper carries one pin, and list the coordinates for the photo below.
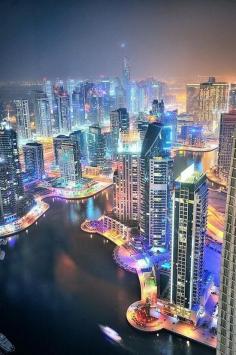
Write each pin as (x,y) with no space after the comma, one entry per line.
(226,344)
(155,186)
(57,142)
(42,114)
(69,162)
(78,106)
(126,81)
(34,160)
(213,100)
(70,87)
(119,122)
(96,146)
(227,128)
(80,137)
(48,90)
(62,112)
(232,97)
(13,202)
(188,238)
(126,178)
(23,119)
(192,100)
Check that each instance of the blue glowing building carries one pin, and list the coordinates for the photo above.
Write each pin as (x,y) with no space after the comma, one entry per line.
(156,181)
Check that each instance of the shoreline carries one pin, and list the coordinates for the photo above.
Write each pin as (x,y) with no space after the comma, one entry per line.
(45,207)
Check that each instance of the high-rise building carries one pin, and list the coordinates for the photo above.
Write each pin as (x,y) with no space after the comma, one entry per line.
(126,178)
(192,100)
(126,81)
(155,187)
(13,202)
(189,223)
(62,112)
(78,106)
(213,100)
(80,137)
(57,142)
(232,97)
(96,146)
(34,160)
(48,90)
(23,119)
(8,210)
(226,341)
(119,122)
(42,114)
(227,128)
(69,162)
(123,119)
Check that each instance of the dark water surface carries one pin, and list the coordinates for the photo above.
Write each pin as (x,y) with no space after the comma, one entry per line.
(57,285)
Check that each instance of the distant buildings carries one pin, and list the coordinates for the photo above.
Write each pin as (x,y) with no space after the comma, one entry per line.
(226,341)
(192,135)
(42,114)
(188,238)
(192,100)
(227,129)
(62,112)
(23,119)
(155,187)
(232,97)
(34,160)
(213,100)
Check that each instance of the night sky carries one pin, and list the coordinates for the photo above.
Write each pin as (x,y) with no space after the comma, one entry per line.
(85,39)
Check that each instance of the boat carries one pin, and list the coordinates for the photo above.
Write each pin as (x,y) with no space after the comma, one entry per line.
(110,333)
(5,344)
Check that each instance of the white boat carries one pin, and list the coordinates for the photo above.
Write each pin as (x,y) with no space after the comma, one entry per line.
(5,344)
(110,333)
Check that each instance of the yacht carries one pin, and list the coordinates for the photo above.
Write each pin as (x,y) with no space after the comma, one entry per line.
(5,344)
(110,333)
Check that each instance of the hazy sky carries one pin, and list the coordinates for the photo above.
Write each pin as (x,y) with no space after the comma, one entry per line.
(83,38)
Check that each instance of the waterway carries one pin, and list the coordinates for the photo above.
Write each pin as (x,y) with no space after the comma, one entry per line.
(57,284)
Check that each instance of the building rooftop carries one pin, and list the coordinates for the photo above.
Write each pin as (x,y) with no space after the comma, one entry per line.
(189,175)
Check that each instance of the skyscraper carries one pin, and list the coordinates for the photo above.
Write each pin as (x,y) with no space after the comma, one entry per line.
(119,122)
(57,142)
(213,100)
(42,114)
(34,160)
(188,238)
(232,97)
(155,187)
(192,100)
(62,112)
(80,137)
(96,146)
(9,155)
(227,128)
(48,90)
(69,162)
(126,178)
(126,80)
(23,119)
(226,341)
(13,202)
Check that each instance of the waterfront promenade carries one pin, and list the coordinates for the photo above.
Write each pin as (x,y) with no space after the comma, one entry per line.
(41,207)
